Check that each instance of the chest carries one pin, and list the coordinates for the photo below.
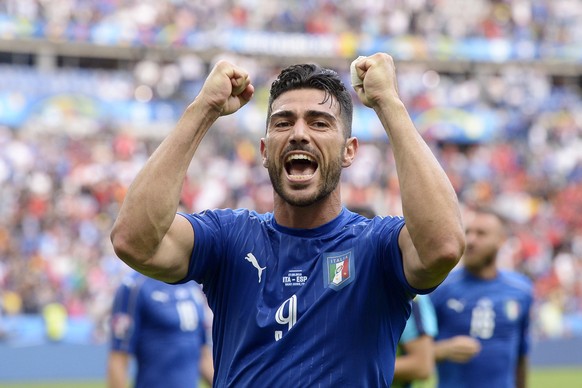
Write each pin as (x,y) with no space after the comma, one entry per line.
(171,308)
(482,312)
(274,286)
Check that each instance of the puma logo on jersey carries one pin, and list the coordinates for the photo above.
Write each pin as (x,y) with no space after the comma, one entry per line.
(253,260)
(455,305)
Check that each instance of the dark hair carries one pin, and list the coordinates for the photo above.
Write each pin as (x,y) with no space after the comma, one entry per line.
(312,76)
(503,220)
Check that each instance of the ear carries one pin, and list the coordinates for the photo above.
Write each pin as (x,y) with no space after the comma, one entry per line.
(350,151)
(264,151)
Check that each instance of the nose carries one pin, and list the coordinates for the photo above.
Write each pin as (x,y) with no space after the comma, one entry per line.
(299,134)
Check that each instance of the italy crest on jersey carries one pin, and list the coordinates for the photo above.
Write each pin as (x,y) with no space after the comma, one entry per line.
(512,309)
(338,270)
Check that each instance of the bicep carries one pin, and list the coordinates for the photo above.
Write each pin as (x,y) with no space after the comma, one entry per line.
(410,260)
(171,261)
(417,273)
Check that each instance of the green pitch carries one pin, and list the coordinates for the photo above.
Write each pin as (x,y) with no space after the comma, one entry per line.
(559,377)
(538,378)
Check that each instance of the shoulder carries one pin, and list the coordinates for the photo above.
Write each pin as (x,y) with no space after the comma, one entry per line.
(133,280)
(195,290)
(455,277)
(129,292)
(228,216)
(450,286)
(354,217)
(516,280)
(372,226)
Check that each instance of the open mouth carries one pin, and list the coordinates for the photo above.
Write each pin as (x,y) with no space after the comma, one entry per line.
(300,166)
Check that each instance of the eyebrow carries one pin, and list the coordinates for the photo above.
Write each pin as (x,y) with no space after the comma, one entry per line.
(309,114)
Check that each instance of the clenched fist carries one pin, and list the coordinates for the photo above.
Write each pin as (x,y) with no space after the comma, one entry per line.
(227,88)
(378,79)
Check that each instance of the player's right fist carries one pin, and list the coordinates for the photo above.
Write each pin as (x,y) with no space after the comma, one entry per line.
(227,88)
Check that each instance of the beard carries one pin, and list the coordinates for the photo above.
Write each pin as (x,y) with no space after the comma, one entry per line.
(479,261)
(330,178)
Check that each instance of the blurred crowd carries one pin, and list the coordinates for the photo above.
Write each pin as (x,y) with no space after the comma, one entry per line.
(60,190)
(549,21)
(59,194)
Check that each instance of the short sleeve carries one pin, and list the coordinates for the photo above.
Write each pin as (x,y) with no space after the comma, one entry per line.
(124,321)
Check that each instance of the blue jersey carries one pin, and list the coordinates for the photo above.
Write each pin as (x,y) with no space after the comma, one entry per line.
(304,308)
(163,327)
(422,321)
(497,313)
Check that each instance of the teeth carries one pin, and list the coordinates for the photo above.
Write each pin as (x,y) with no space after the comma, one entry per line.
(298,157)
(301,177)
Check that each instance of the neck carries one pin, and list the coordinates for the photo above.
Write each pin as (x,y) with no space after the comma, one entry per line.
(487,273)
(307,217)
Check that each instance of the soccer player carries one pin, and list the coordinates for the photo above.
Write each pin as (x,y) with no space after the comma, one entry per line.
(415,356)
(310,294)
(483,314)
(163,328)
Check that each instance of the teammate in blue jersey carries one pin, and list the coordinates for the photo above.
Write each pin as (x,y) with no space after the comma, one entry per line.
(163,329)
(310,294)
(415,356)
(483,314)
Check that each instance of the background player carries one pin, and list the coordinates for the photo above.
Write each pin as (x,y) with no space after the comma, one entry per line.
(163,328)
(483,314)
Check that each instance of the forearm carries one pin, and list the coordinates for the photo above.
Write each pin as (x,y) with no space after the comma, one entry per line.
(441,350)
(117,379)
(206,365)
(151,202)
(429,202)
(117,370)
(417,362)
(461,349)
(410,368)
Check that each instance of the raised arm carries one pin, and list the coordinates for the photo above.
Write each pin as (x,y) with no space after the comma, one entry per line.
(432,241)
(147,234)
